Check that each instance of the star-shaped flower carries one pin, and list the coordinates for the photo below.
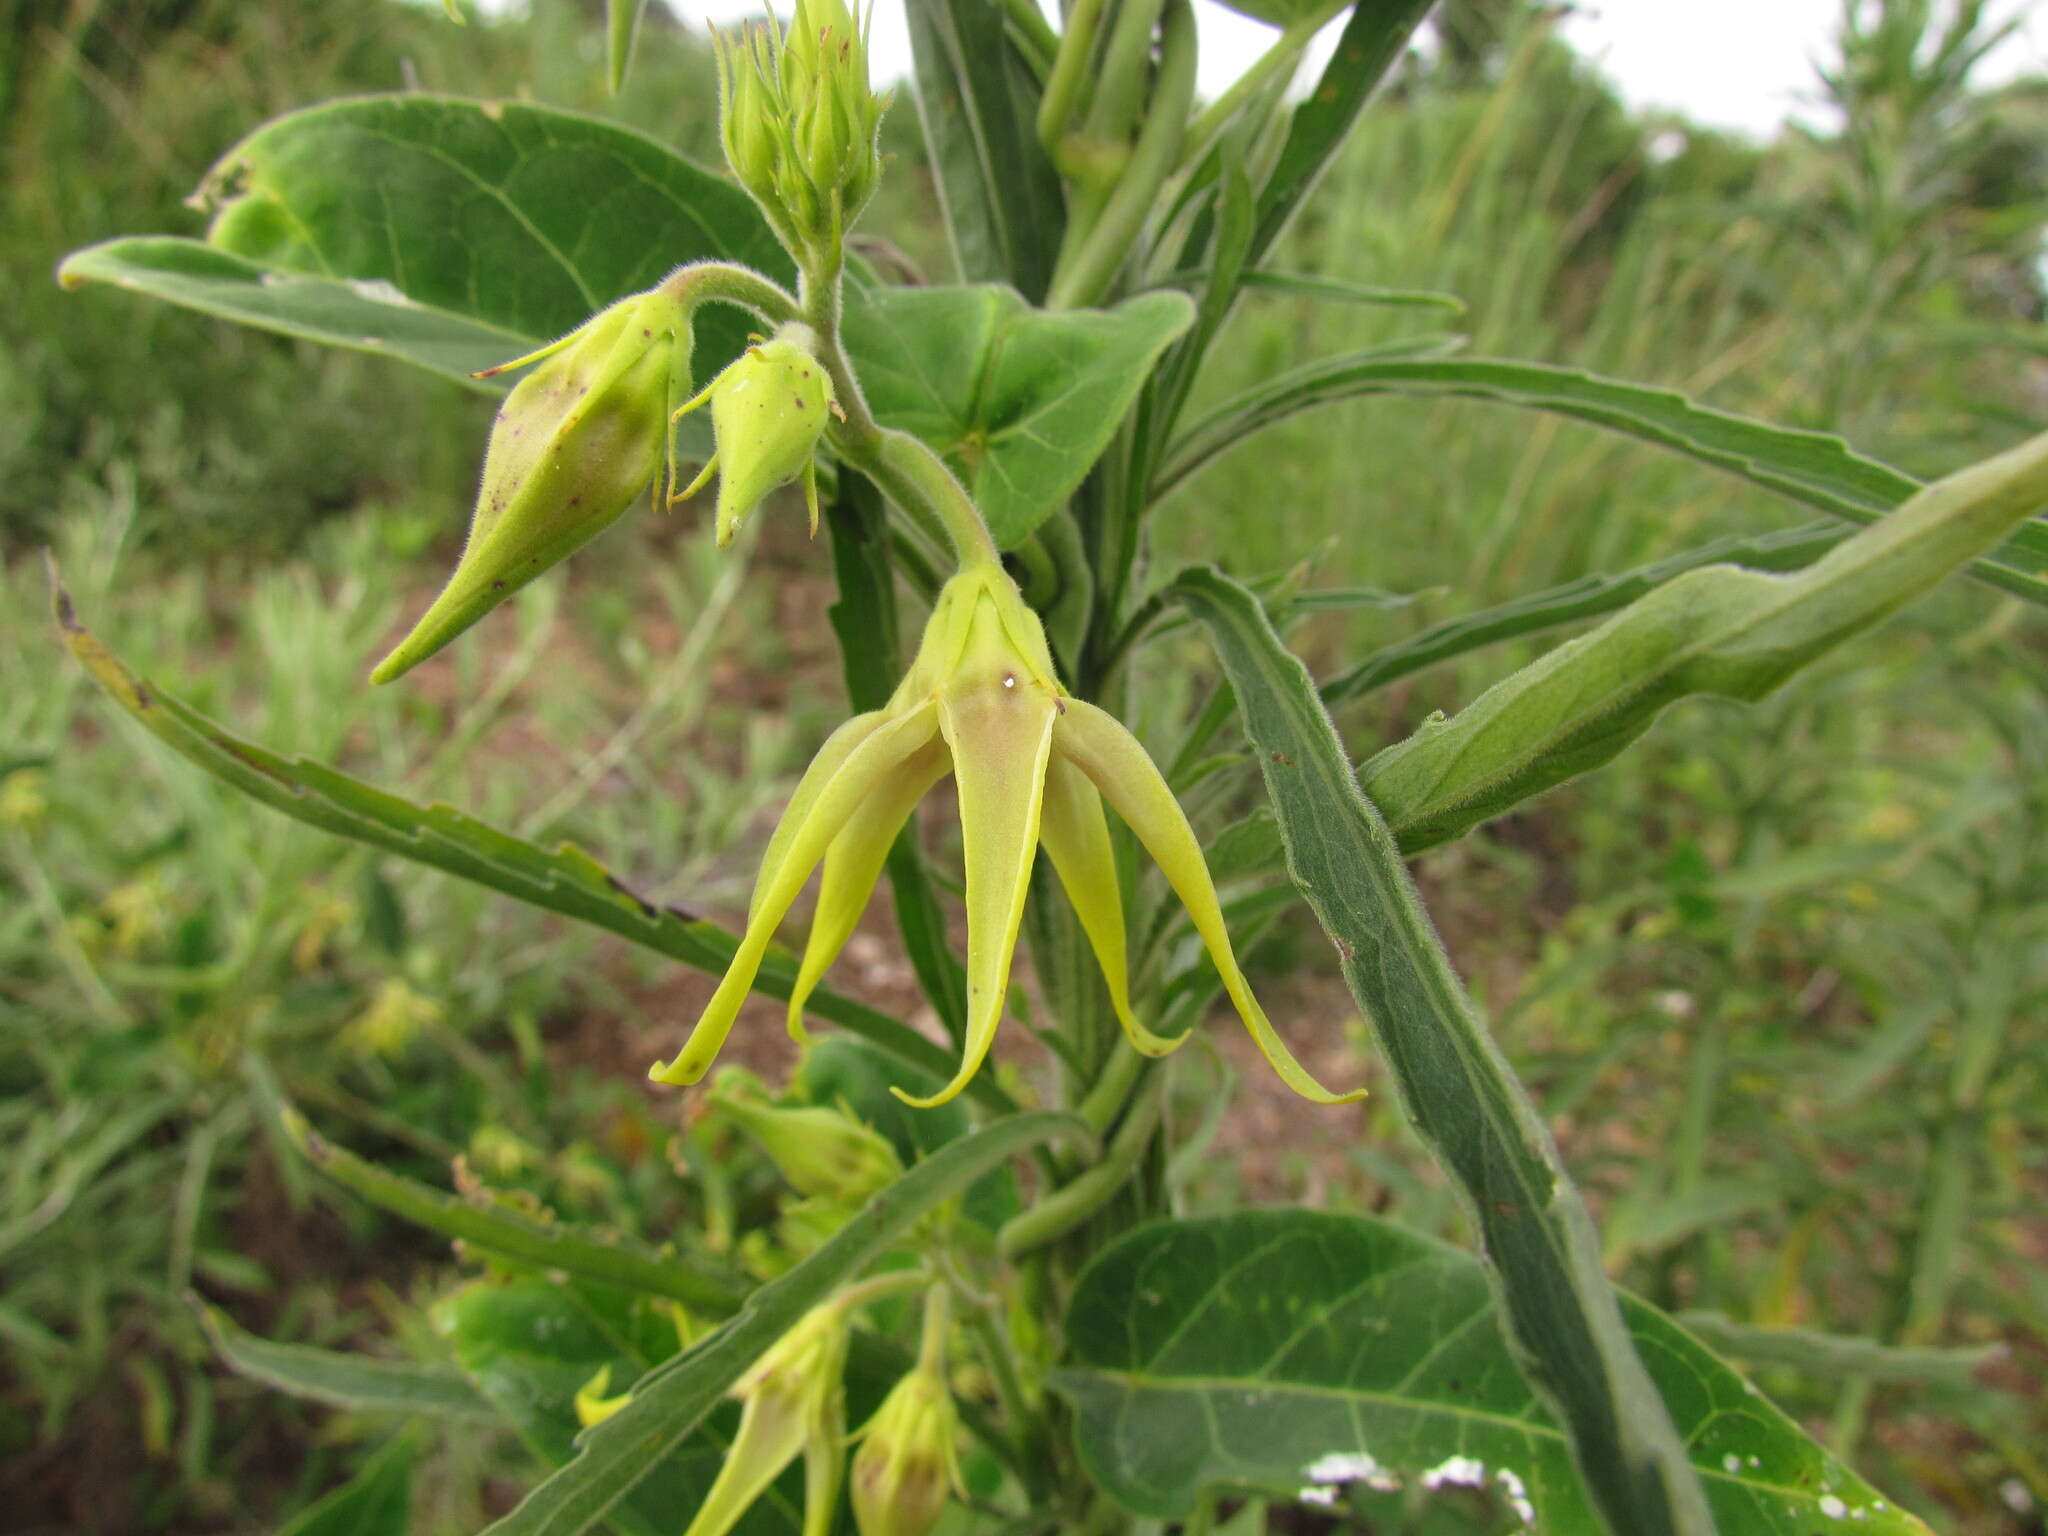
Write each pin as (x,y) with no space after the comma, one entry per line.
(1032,766)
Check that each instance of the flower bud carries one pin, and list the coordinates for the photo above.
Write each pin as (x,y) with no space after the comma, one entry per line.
(575,442)
(749,109)
(767,413)
(822,1152)
(905,1470)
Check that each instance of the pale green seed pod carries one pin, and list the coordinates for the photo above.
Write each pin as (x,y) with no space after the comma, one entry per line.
(577,440)
(768,410)
(904,1472)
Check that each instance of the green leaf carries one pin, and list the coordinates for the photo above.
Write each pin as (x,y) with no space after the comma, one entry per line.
(1815,468)
(1001,199)
(622,26)
(1588,597)
(551,1244)
(377,1501)
(1373,39)
(445,231)
(1335,290)
(364,316)
(1840,1357)
(1457,1088)
(1279,1351)
(566,880)
(345,1379)
(1021,402)
(672,1401)
(530,1344)
(1718,630)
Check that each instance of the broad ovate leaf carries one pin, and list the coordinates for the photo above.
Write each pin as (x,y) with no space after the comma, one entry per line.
(1293,1352)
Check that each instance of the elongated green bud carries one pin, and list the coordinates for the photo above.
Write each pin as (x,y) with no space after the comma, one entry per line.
(820,1151)
(768,411)
(576,441)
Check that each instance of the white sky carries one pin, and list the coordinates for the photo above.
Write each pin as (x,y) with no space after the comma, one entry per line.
(1742,64)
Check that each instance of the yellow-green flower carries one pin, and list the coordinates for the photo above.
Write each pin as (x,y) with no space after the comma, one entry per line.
(792,1401)
(1032,765)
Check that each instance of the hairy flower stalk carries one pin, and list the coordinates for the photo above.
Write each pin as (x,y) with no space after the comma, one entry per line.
(1033,766)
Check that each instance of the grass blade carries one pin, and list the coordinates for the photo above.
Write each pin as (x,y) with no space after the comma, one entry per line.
(1560,1313)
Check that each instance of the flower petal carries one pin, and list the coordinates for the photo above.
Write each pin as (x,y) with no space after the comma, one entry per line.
(854,862)
(836,803)
(839,746)
(1076,835)
(1110,755)
(1000,737)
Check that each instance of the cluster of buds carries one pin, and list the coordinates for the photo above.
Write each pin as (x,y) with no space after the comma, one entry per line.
(800,123)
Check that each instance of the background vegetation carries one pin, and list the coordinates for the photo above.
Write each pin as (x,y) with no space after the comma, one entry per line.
(1777,976)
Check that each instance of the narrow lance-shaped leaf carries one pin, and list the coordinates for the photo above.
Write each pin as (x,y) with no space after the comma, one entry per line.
(1559,1311)
(344,1378)
(1001,198)
(1719,630)
(1290,1352)
(554,1245)
(1372,40)
(566,880)
(671,1401)
(1815,468)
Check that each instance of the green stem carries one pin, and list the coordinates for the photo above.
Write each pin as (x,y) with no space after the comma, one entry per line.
(908,472)
(931,1348)
(1035,40)
(1112,1089)
(1087,270)
(1284,55)
(1060,1213)
(1069,66)
(1118,100)
(701,282)
(895,1282)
